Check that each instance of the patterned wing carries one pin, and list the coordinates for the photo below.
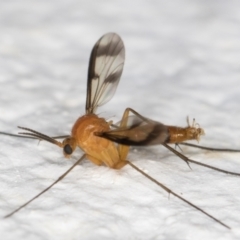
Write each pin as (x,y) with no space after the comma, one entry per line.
(105,69)
(138,132)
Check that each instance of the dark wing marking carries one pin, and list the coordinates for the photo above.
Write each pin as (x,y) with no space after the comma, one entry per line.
(105,69)
(139,132)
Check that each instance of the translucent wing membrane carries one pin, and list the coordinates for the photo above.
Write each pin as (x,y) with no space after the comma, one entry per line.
(139,131)
(105,69)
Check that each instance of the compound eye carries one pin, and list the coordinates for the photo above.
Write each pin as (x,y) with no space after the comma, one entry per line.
(67,149)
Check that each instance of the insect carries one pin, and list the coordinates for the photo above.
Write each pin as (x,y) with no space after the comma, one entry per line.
(105,143)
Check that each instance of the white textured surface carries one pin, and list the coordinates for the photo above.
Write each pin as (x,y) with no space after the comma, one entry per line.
(182,58)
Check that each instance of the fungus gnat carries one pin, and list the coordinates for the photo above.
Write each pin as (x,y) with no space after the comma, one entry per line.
(105,143)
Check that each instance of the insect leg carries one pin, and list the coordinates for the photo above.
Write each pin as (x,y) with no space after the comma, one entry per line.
(124,149)
(176,195)
(94,160)
(46,189)
(198,163)
(210,148)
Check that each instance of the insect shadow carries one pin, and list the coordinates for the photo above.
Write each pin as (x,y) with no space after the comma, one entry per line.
(105,143)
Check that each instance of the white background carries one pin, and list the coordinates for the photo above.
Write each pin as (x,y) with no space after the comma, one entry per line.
(182,59)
